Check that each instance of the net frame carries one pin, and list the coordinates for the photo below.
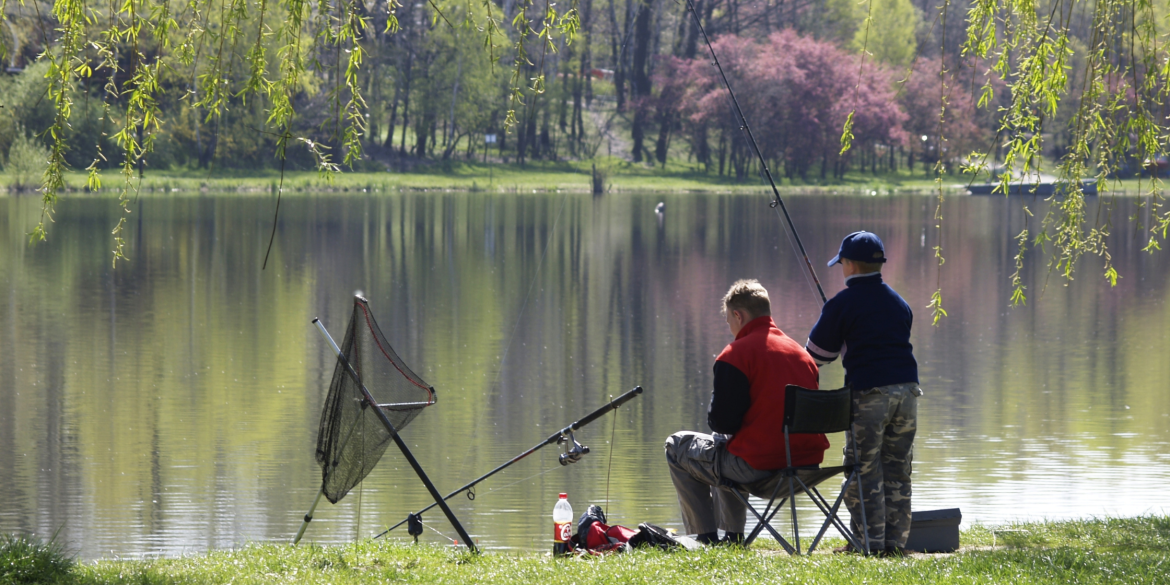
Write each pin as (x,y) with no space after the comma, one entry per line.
(351,439)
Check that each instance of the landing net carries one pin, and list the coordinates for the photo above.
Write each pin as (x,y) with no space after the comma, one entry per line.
(351,439)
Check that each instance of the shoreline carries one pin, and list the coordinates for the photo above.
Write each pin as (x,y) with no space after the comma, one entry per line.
(513,178)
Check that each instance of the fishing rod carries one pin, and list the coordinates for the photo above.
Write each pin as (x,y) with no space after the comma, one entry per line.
(573,453)
(756,147)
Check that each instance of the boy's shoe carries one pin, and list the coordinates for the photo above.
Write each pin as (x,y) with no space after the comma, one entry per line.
(896,552)
(849,550)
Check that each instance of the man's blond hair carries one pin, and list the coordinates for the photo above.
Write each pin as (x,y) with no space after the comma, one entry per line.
(749,296)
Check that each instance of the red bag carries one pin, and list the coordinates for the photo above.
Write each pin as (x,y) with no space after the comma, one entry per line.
(603,538)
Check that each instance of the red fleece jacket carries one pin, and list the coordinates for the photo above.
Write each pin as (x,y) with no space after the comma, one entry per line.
(770,360)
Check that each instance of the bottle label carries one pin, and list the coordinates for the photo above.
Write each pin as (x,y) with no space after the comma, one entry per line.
(562,531)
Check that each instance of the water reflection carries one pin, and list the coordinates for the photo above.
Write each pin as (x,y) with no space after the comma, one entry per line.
(171,405)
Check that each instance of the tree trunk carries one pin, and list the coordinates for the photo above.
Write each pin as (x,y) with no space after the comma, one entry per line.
(454,97)
(640,89)
(618,50)
(584,74)
(420,138)
(722,151)
(587,51)
(545,141)
(406,101)
(562,84)
(389,143)
(665,121)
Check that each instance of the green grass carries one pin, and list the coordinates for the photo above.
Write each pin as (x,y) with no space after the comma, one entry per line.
(1133,550)
(538,176)
(26,560)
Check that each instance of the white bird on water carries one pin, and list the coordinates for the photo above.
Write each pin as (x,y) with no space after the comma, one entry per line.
(660,208)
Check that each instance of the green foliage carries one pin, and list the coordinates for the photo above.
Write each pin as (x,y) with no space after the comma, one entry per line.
(25,162)
(28,560)
(892,32)
(453,73)
(1018,296)
(1123,86)
(837,21)
(847,134)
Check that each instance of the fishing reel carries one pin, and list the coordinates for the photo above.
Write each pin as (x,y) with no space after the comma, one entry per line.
(573,450)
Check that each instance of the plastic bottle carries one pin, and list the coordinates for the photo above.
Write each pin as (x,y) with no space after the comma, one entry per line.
(562,526)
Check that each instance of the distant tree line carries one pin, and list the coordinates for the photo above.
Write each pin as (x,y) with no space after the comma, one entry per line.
(635,73)
(829,85)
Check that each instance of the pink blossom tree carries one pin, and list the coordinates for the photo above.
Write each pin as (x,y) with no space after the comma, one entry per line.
(796,93)
(920,96)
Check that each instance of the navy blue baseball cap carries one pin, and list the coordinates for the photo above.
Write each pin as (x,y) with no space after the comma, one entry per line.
(861,247)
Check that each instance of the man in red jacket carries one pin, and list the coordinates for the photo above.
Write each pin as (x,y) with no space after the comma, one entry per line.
(746,413)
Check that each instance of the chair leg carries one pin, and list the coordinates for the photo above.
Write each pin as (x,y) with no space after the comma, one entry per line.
(769,513)
(833,512)
(831,517)
(764,523)
(792,501)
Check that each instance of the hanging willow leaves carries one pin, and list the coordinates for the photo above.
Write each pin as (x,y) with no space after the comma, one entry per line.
(1119,113)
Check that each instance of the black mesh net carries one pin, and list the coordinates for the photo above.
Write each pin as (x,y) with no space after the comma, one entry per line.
(351,438)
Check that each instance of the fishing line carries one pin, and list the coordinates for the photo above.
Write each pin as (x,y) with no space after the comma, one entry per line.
(520,481)
(609,466)
(812,286)
(778,202)
(791,244)
(520,314)
(433,529)
(362,483)
(531,286)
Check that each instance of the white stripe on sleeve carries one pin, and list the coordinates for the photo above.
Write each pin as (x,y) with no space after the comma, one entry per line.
(820,356)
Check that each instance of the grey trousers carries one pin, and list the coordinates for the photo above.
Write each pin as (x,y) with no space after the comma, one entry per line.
(696,466)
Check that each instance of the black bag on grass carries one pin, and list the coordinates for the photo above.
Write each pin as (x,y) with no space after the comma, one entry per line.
(654,536)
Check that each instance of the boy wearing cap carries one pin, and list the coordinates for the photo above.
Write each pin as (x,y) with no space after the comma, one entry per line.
(868,325)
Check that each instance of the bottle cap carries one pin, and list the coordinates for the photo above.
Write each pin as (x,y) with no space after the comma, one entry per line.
(564,496)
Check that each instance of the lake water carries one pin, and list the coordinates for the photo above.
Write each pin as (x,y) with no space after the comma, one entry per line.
(171,405)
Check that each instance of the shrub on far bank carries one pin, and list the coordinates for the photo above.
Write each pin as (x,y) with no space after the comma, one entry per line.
(26,162)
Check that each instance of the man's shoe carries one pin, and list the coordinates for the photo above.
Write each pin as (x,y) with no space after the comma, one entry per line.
(732,539)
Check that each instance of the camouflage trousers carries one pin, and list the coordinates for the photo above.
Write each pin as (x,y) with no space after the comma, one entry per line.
(884,426)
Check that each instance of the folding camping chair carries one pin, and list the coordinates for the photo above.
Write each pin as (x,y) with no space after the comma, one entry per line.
(808,411)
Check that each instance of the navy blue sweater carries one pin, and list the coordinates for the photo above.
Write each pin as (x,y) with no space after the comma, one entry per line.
(870,324)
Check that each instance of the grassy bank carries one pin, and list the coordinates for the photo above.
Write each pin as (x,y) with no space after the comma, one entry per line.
(620,177)
(540,176)
(1094,551)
